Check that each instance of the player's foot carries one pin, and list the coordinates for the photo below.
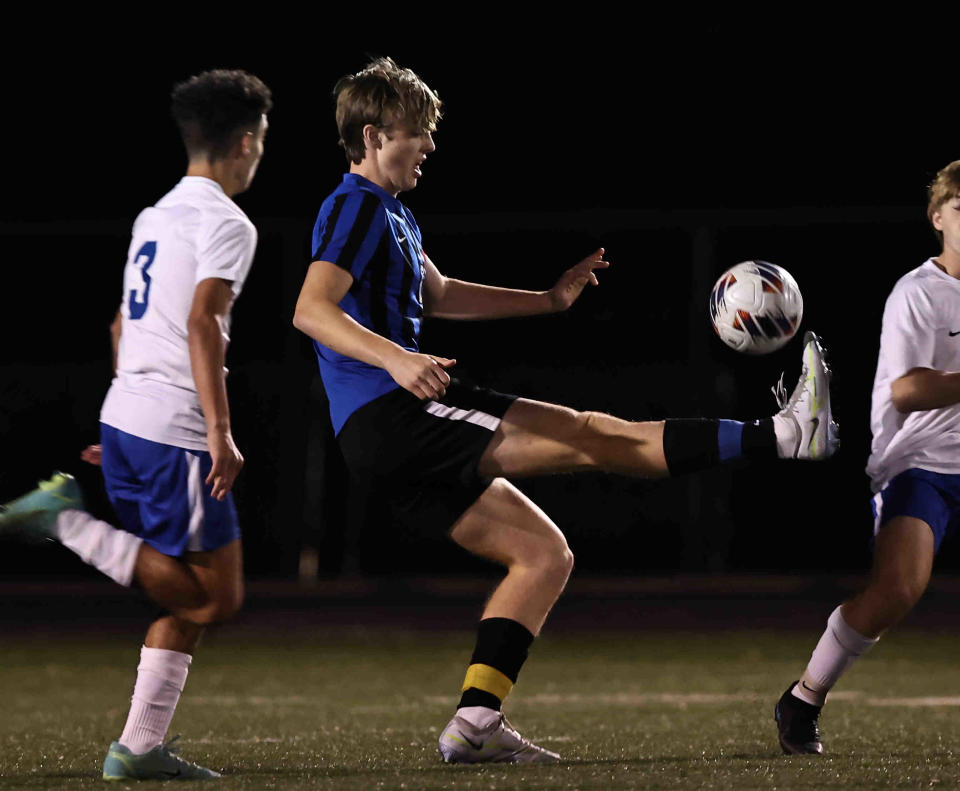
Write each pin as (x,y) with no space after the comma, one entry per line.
(463,743)
(797,724)
(806,426)
(160,763)
(34,515)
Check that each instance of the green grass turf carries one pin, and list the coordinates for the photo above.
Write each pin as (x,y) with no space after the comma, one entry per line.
(362,709)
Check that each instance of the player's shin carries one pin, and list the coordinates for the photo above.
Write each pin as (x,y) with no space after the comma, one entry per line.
(690,445)
(501,649)
(839,647)
(101,545)
(161,676)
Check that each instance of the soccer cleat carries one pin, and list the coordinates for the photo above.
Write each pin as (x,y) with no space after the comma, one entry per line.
(464,743)
(814,434)
(160,763)
(797,724)
(34,515)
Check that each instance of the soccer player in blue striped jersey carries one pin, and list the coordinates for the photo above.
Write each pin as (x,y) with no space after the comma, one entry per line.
(441,452)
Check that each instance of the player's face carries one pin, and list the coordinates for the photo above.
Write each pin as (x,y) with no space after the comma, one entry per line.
(947,221)
(251,151)
(401,154)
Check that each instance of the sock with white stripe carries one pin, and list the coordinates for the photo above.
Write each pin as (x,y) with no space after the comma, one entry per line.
(839,647)
(161,677)
(112,551)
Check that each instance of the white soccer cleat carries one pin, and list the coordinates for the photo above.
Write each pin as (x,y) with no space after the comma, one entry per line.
(804,425)
(463,743)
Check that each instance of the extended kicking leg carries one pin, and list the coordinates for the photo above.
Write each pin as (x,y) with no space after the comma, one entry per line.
(536,438)
(506,527)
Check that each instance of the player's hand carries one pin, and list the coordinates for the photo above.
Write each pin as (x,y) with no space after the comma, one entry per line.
(574,280)
(227,461)
(424,375)
(92,454)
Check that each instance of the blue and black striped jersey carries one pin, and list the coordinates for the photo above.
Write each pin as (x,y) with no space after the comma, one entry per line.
(366,231)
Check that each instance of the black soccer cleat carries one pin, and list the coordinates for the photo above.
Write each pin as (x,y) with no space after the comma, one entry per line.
(797,725)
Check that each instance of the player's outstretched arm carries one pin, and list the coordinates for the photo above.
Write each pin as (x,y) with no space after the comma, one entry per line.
(925,388)
(211,303)
(318,314)
(447,298)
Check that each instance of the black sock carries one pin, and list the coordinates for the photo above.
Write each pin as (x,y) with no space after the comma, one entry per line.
(501,649)
(759,440)
(693,444)
(690,444)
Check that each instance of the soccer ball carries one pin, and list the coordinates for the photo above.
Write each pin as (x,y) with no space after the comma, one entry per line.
(756,307)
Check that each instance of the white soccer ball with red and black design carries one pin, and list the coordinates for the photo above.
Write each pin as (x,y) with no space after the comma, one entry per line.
(756,307)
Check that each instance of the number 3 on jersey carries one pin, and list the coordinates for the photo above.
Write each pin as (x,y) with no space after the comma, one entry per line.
(139,279)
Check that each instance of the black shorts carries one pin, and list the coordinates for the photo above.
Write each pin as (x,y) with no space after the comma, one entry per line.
(422,456)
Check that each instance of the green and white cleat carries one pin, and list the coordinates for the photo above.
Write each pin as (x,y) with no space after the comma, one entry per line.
(810,431)
(160,763)
(464,743)
(34,515)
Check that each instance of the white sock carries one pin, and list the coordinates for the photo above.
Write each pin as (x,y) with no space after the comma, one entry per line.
(160,679)
(785,431)
(479,716)
(839,647)
(112,551)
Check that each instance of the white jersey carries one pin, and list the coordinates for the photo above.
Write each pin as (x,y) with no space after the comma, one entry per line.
(193,233)
(921,329)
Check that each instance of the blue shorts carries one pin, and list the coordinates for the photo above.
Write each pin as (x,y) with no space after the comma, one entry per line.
(933,497)
(158,491)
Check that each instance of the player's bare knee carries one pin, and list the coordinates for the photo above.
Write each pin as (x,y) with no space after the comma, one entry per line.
(554,561)
(902,595)
(220,608)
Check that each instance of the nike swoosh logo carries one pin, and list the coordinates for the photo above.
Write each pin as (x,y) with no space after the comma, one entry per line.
(804,685)
(951,334)
(474,746)
(813,434)
(401,239)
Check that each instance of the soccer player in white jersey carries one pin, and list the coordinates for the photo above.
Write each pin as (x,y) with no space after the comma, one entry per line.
(914,465)
(168,456)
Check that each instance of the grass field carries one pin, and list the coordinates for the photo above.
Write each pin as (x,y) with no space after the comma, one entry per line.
(353,708)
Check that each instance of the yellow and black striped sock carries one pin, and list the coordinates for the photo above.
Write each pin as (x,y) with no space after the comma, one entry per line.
(501,649)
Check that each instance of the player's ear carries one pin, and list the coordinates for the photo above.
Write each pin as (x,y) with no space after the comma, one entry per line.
(371,137)
(243,146)
(937,220)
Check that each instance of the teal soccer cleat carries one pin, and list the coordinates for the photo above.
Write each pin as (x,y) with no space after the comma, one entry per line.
(34,515)
(160,763)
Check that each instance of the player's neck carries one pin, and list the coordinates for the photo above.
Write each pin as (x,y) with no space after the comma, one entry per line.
(215,171)
(949,262)
(369,170)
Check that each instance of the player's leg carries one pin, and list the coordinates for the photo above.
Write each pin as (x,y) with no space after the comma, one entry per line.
(535,438)
(165,660)
(913,515)
(508,528)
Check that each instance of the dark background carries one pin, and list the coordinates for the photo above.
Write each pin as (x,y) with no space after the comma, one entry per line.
(682,147)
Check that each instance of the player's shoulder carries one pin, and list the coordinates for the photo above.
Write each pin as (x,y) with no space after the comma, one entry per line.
(926,280)
(926,294)
(354,193)
(204,197)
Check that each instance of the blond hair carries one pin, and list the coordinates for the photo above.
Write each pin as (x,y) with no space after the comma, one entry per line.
(382,94)
(946,186)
